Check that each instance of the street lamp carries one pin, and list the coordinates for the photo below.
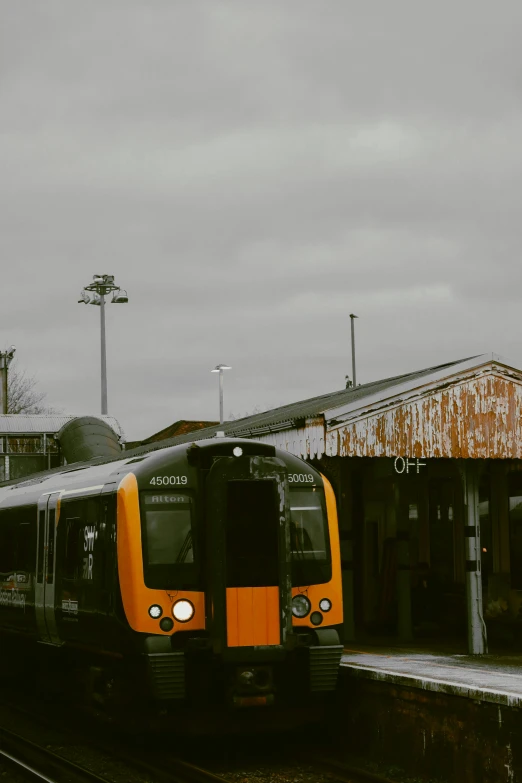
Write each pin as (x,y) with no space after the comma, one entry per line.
(100,287)
(219,368)
(352,317)
(5,360)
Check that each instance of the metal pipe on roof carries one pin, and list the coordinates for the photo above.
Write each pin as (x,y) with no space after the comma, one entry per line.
(87,437)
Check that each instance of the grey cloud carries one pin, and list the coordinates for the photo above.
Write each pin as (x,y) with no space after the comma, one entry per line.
(252,175)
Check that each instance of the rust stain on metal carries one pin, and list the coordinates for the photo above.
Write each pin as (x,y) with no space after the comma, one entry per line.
(479,417)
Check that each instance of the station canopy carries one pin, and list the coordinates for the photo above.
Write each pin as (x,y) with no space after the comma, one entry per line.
(470,408)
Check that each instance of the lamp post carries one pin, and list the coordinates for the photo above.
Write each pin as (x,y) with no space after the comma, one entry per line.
(352,317)
(100,287)
(219,368)
(5,360)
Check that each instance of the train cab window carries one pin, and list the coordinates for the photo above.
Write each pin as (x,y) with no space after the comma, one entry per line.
(309,540)
(168,546)
(169,536)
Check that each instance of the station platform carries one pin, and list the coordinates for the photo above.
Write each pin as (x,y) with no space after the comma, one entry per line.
(490,678)
(433,710)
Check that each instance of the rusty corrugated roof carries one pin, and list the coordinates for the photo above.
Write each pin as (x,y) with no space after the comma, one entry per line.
(286,416)
(474,414)
(181,427)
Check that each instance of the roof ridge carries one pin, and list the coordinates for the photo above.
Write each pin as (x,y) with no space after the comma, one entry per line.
(352,389)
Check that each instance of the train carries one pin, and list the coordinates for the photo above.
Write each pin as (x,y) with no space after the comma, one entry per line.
(200,576)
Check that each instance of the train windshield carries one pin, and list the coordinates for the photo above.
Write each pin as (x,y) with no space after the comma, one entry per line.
(309,540)
(168,550)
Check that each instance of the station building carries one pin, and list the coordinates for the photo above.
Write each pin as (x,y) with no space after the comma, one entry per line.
(427,470)
(180,427)
(29,443)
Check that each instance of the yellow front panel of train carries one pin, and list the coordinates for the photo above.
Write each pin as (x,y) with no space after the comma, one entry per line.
(253,616)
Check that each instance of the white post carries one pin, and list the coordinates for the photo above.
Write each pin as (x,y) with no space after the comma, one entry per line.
(352,317)
(103,358)
(221,396)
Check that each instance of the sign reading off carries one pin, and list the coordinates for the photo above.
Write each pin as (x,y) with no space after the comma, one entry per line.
(405,465)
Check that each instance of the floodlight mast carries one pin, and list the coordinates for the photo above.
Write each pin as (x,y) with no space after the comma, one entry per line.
(101,286)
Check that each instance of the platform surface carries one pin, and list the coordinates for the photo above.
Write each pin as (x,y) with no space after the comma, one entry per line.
(491,678)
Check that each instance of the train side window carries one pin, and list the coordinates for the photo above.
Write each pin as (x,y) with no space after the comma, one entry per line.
(82,527)
(104,544)
(24,547)
(72,542)
(17,541)
(7,542)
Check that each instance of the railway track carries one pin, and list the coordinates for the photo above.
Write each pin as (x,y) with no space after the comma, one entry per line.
(39,763)
(36,763)
(344,772)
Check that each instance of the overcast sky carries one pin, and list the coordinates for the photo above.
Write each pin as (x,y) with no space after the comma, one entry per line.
(252,172)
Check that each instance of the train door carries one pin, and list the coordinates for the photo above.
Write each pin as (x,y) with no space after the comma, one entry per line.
(83,590)
(248,559)
(44,597)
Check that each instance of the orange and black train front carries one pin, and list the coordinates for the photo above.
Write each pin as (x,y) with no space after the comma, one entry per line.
(229,569)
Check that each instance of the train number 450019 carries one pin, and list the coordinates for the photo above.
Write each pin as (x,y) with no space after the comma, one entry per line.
(168,480)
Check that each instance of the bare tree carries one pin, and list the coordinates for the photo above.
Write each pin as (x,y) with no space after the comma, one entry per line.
(22,394)
(236,416)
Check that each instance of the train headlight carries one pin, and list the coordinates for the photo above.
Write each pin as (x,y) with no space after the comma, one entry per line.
(300,605)
(325,604)
(155,611)
(183,611)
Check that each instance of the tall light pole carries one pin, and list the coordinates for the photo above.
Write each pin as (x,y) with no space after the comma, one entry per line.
(352,318)
(5,360)
(219,368)
(100,287)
